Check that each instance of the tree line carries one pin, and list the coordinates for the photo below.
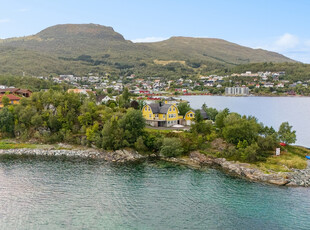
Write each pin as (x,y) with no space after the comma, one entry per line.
(56,116)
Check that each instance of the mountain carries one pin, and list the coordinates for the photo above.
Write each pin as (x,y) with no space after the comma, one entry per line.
(82,48)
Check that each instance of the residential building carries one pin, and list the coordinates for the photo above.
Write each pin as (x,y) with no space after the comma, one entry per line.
(16,91)
(161,115)
(190,115)
(13,99)
(243,91)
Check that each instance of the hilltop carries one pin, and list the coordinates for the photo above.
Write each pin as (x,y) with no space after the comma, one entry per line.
(82,48)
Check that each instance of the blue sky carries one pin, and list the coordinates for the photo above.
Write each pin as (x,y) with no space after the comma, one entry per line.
(281,26)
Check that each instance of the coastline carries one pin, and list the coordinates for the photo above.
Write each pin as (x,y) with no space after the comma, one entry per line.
(196,160)
(295,178)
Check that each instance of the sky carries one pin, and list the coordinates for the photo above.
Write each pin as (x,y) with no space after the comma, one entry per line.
(276,25)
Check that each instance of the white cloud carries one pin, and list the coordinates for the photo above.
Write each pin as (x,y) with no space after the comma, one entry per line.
(290,45)
(4,20)
(149,39)
(286,41)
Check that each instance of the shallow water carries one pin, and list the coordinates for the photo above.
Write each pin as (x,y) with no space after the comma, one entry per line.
(272,111)
(56,194)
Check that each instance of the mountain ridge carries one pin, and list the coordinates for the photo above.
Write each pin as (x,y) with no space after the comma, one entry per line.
(109,51)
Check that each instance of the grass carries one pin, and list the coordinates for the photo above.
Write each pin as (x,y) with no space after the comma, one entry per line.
(291,157)
(7,144)
(152,130)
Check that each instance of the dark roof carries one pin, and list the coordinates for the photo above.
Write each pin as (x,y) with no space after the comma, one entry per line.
(204,114)
(100,98)
(156,108)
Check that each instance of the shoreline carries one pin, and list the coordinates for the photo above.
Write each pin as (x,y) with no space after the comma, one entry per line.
(196,160)
(295,178)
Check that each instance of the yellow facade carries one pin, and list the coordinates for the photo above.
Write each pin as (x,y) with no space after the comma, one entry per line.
(168,118)
(13,102)
(147,113)
(189,115)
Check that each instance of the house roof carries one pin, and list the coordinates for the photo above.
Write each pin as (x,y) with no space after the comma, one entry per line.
(156,108)
(204,114)
(11,97)
(100,98)
(11,90)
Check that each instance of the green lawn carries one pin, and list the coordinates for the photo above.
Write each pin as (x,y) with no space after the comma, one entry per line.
(291,157)
(7,144)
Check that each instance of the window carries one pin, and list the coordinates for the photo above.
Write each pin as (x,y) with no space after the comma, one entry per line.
(145,109)
(191,115)
(164,116)
(149,109)
(150,115)
(173,109)
(170,110)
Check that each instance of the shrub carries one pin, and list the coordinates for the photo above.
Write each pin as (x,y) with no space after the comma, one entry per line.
(172,147)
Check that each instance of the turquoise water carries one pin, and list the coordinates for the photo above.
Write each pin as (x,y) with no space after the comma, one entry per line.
(272,111)
(56,194)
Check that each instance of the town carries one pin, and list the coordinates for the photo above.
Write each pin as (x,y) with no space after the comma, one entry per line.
(243,84)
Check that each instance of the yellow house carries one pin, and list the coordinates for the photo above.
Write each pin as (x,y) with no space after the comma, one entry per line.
(13,99)
(161,115)
(190,115)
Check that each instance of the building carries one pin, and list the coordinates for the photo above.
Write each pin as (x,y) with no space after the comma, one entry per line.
(103,99)
(16,91)
(190,115)
(82,91)
(161,115)
(242,91)
(13,99)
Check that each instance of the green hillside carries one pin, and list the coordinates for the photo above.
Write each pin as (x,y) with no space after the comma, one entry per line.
(82,48)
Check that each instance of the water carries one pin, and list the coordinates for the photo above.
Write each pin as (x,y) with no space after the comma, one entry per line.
(55,194)
(272,111)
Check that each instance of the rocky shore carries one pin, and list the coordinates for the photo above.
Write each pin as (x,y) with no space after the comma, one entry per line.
(244,170)
(111,156)
(196,160)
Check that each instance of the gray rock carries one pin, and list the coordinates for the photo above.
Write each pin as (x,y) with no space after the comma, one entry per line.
(113,156)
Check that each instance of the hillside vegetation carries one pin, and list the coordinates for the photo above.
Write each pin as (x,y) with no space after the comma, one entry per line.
(82,48)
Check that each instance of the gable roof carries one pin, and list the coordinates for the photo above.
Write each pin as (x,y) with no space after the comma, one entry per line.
(11,97)
(157,108)
(204,114)
(11,90)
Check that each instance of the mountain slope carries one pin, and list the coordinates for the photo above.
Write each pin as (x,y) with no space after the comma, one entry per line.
(82,48)
(216,50)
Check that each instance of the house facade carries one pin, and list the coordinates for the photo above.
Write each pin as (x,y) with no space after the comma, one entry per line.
(13,99)
(190,115)
(161,115)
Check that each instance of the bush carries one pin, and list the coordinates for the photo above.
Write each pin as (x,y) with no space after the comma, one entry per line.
(172,147)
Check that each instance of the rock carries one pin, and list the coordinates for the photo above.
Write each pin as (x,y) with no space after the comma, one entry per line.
(116,156)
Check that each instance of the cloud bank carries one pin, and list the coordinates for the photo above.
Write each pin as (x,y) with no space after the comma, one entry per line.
(290,45)
(149,39)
